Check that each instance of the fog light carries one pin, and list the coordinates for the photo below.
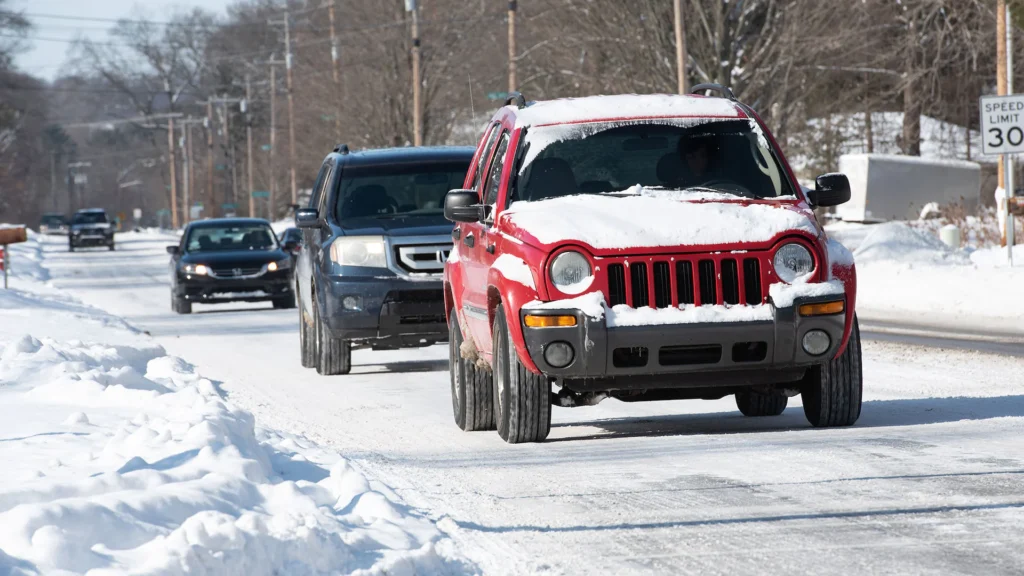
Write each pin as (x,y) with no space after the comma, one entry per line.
(558,354)
(352,302)
(816,342)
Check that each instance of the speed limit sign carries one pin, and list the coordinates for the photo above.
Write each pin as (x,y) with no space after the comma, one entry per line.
(1002,124)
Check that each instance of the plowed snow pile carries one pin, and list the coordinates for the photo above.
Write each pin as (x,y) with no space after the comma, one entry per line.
(122,459)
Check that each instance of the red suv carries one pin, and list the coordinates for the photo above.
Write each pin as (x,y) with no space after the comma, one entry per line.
(644,248)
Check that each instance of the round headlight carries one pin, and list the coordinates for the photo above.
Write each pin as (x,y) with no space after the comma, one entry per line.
(571,273)
(793,261)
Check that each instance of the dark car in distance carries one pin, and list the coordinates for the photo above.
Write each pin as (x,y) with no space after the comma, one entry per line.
(374,246)
(291,241)
(230,260)
(90,227)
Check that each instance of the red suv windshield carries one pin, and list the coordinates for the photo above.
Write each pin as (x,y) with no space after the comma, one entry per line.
(730,157)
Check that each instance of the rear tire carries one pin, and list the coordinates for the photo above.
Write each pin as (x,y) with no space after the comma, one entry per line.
(472,388)
(111,247)
(333,355)
(522,399)
(71,247)
(832,390)
(284,303)
(307,343)
(752,404)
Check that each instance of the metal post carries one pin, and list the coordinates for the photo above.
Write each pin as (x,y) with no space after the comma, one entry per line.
(680,47)
(417,113)
(53,180)
(248,145)
(231,155)
(272,200)
(191,179)
(335,65)
(7,263)
(186,173)
(512,6)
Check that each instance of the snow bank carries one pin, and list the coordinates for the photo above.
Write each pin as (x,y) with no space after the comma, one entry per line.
(515,269)
(124,459)
(608,222)
(624,106)
(898,242)
(26,259)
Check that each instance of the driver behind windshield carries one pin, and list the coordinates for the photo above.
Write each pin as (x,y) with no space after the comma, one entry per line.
(696,153)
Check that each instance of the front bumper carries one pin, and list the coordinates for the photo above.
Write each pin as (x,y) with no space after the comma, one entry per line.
(391,311)
(91,239)
(718,354)
(210,290)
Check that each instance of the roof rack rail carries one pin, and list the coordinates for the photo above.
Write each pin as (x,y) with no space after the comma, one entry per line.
(723,90)
(341,148)
(515,98)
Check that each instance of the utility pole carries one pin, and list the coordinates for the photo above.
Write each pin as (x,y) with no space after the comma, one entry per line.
(73,194)
(417,112)
(248,144)
(512,45)
(187,171)
(286,22)
(273,143)
(335,65)
(209,157)
(1010,184)
(53,180)
(231,154)
(174,173)
(680,46)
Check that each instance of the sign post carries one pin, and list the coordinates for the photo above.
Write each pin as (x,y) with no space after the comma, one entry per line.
(1002,130)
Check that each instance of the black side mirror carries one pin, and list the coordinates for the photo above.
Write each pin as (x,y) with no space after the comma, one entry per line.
(307,218)
(291,246)
(464,206)
(173,250)
(829,190)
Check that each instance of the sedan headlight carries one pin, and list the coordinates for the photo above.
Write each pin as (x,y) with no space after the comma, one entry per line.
(571,273)
(359,251)
(279,265)
(197,269)
(793,261)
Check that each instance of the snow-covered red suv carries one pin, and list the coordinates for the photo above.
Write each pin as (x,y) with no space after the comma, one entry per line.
(644,248)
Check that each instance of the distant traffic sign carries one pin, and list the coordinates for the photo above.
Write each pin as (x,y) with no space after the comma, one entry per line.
(260,194)
(1002,124)
(497,95)
(228,206)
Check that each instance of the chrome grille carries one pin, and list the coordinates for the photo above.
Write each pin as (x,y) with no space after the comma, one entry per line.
(422,258)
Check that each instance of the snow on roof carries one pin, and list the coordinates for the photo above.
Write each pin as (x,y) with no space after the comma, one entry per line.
(624,106)
(608,222)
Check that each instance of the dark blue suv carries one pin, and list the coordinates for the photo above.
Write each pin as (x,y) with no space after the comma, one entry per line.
(374,244)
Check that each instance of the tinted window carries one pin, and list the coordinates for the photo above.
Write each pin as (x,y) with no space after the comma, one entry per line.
(719,156)
(231,237)
(318,187)
(494,178)
(89,218)
(368,193)
(52,220)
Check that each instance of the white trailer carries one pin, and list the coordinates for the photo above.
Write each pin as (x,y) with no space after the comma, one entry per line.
(889,187)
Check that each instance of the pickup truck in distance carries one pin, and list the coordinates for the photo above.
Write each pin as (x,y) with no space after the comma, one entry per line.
(374,244)
(644,248)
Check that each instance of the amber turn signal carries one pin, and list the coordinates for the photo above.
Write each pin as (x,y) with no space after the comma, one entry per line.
(549,321)
(823,308)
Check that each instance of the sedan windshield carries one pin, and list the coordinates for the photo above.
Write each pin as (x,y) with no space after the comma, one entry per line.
(89,218)
(719,156)
(52,220)
(396,191)
(231,238)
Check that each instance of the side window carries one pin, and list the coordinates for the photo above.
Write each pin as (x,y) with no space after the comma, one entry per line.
(325,189)
(493,183)
(314,200)
(481,163)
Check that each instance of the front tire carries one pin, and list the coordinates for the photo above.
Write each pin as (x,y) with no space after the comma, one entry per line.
(753,405)
(333,355)
(472,389)
(111,246)
(522,398)
(284,303)
(832,390)
(71,247)
(180,305)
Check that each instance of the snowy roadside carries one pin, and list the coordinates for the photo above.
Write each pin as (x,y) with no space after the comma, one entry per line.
(907,275)
(122,459)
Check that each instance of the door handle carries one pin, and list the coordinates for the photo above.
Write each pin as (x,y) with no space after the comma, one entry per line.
(490,248)
(469,240)
(456,233)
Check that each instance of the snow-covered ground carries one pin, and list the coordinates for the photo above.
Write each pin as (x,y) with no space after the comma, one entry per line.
(905,273)
(120,458)
(926,483)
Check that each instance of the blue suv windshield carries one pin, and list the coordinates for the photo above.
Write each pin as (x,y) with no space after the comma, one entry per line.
(369,193)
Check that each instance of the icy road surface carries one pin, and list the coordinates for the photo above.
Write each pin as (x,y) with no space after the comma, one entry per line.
(929,481)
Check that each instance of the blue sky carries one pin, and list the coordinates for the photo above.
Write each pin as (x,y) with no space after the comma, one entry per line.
(44,58)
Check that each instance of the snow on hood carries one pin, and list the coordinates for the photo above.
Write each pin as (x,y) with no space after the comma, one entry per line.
(654,219)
